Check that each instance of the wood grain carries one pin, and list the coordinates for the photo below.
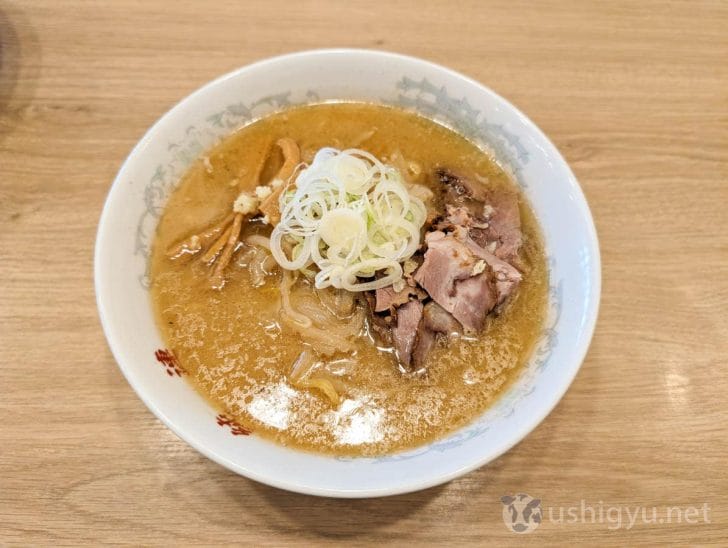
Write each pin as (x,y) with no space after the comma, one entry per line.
(635,95)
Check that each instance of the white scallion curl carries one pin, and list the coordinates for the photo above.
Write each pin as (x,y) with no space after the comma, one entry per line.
(352,217)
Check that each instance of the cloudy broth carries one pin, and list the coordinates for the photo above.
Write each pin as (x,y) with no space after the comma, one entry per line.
(238,353)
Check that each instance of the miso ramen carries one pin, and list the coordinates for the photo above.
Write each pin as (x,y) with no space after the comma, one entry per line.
(349,278)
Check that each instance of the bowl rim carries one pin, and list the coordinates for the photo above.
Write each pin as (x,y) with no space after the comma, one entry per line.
(589,325)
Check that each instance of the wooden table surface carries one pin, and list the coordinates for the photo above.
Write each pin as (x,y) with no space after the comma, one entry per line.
(634,94)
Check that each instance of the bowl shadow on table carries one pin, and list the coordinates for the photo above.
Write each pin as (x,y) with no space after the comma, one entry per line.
(317,517)
(337,518)
(19,47)
(312,518)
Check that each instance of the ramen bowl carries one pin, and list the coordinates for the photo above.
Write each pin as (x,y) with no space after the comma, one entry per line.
(197,123)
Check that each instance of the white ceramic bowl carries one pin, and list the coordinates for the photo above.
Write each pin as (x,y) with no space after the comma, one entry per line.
(149,174)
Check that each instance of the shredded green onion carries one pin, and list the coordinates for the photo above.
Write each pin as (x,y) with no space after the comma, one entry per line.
(352,217)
